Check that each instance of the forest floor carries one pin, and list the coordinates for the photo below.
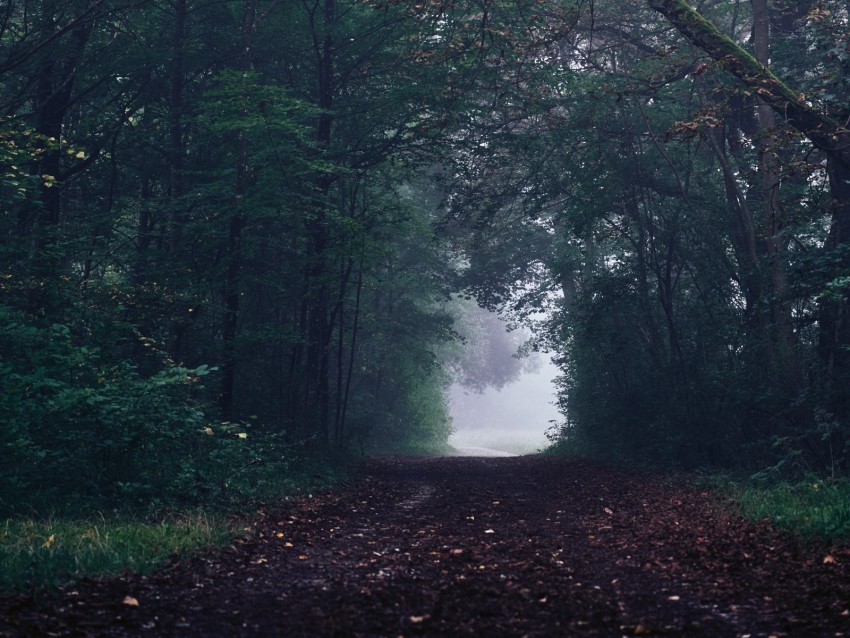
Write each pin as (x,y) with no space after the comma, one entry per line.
(523,546)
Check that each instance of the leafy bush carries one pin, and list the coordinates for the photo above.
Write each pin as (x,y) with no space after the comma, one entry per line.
(80,428)
(86,428)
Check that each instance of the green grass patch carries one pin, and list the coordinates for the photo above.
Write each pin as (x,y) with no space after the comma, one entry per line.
(43,554)
(39,552)
(813,509)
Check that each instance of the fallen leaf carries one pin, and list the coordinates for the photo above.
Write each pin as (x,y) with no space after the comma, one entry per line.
(829,559)
(456,552)
(673,598)
(49,542)
(129,600)
(303,557)
(418,619)
(608,511)
(489,531)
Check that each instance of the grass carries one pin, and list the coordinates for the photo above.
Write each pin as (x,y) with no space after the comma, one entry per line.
(812,509)
(44,554)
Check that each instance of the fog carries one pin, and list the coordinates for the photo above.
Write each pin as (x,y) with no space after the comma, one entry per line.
(513,419)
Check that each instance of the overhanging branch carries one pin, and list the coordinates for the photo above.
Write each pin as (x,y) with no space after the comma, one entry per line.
(824,132)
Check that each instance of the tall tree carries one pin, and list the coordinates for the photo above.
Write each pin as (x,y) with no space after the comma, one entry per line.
(828,135)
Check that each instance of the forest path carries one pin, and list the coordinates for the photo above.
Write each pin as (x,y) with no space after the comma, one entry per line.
(481,451)
(523,546)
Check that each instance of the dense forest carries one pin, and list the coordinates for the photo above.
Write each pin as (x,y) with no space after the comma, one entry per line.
(236,234)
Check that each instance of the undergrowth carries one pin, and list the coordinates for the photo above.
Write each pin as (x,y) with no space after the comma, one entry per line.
(812,509)
(40,552)
(35,554)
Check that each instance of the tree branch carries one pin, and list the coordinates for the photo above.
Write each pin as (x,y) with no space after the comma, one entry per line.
(824,132)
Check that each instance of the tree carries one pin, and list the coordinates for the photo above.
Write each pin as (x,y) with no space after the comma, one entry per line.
(829,136)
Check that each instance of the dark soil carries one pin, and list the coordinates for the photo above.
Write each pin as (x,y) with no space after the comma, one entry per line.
(528,546)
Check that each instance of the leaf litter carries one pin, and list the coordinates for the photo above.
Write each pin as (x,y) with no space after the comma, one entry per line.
(400,552)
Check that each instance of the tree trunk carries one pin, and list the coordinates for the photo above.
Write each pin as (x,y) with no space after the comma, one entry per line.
(320,323)
(176,325)
(39,227)
(352,353)
(782,350)
(175,126)
(232,290)
(55,85)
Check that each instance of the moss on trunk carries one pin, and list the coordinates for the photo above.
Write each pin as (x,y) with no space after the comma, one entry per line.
(825,133)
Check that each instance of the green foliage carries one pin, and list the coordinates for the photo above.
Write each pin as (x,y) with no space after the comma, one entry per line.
(811,508)
(419,423)
(81,429)
(17,151)
(236,466)
(37,554)
(207,222)
(187,219)
(698,324)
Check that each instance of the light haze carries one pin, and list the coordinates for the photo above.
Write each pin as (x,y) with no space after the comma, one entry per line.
(514,419)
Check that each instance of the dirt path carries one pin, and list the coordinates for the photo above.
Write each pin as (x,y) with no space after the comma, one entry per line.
(523,546)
